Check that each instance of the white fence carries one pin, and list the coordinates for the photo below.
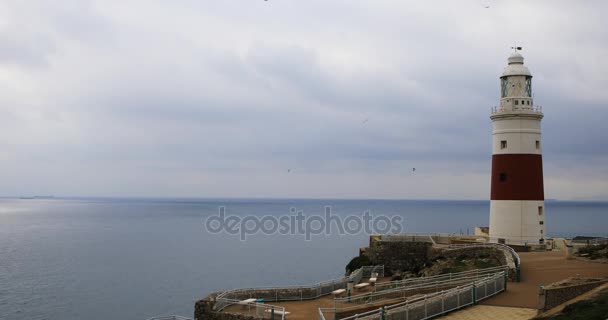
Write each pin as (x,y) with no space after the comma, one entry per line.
(515,256)
(258,309)
(466,275)
(432,304)
(293,293)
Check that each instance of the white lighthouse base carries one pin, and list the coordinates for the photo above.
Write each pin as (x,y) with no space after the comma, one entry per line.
(517,222)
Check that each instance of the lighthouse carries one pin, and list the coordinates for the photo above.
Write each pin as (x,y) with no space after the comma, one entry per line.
(517,208)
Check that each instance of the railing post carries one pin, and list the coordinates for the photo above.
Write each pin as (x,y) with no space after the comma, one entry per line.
(474,293)
(425,309)
(272,313)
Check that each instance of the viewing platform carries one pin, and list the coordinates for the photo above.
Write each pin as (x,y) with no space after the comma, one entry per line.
(513,284)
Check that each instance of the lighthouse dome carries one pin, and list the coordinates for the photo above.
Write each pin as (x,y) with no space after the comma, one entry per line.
(516,66)
(516,57)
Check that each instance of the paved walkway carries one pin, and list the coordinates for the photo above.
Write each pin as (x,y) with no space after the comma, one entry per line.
(542,268)
(481,312)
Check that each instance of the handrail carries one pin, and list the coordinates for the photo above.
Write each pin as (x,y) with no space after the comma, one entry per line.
(514,254)
(227,298)
(173,317)
(454,275)
(390,294)
(352,276)
(500,245)
(427,297)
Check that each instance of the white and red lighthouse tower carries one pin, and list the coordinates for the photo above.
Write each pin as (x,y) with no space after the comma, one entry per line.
(517,209)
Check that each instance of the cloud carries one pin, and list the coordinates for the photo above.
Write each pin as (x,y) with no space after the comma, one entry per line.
(220,98)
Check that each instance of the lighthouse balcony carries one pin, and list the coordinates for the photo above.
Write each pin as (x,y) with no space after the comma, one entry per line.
(523,109)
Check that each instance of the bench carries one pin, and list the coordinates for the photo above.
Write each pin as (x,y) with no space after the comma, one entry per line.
(374,277)
(247,302)
(279,312)
(362,285)
(338,292)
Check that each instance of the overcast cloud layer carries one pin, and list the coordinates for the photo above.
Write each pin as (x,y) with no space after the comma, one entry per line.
(286,98)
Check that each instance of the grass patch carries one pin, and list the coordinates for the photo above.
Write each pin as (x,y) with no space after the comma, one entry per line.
(454,269)
(486,263)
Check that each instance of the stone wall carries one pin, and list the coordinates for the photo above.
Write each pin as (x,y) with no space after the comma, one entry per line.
(399,256)
(553,297)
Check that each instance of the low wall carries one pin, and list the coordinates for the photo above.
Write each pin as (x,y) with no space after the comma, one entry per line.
(549,298)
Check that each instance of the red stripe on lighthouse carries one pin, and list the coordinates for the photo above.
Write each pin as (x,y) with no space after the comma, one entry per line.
(517,177)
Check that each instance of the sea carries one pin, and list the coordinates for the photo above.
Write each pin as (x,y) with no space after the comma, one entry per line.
(102,258)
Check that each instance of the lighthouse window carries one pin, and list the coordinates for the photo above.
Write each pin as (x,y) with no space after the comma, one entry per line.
(503,144)
(528,86)
(516,102)
(540,211)
(537,144)
(541,222)
(503,177)
(503,87)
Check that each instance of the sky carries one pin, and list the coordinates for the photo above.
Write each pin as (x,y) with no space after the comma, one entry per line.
(286,98)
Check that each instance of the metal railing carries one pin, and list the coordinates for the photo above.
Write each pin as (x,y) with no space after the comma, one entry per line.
(405,289)
(412,237)
(534,108)
(435,303)
(260,310)
(367,271)
(471,274)
(170,318)
(293,293)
